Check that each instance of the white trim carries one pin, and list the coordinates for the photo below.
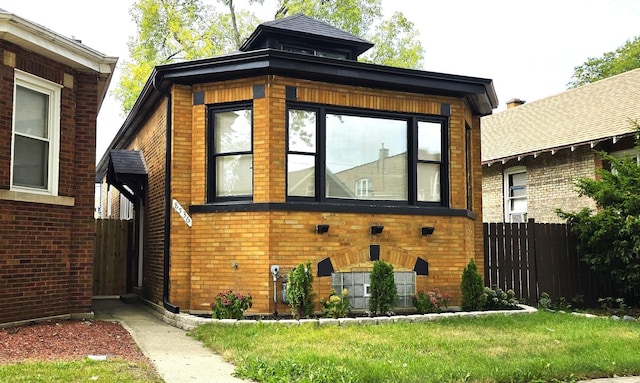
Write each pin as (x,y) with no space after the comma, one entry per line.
(53,91)
(506,195)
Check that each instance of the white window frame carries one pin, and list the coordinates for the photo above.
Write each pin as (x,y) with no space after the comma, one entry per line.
(364,187)
(509,215)
(53,91)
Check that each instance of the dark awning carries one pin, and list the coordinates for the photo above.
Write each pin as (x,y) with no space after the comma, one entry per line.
(128,168)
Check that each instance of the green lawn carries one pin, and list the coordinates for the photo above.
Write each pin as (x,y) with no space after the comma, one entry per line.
(78,371)
(539,347)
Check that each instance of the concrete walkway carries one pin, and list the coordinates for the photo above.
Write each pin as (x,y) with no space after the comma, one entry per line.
(177,357)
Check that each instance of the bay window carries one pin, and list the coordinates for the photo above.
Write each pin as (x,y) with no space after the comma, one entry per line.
(230,164)
(366,156)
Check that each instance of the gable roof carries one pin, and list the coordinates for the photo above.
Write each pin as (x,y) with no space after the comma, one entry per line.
(47,43)
(582,116)
(300,25)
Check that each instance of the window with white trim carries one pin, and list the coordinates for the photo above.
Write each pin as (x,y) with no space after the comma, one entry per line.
(35,140)
(515,195)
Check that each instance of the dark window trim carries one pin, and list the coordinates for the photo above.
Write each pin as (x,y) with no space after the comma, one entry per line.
(211,152)
(411,119)
(247,206)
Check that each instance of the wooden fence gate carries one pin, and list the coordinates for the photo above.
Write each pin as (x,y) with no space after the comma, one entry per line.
(532,258)
(113,243)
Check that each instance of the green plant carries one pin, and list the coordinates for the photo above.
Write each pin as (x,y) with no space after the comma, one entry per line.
(430,302)
(472,288)
(611,304)
(544,302)
(337,306)
(496,299)
(230,305)
(300,290)
(383,288)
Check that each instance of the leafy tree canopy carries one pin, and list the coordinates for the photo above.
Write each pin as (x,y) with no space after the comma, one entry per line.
(175,30)
(609,237)
(623,59)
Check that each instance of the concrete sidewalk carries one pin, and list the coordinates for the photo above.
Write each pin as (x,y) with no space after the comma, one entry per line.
(177,357)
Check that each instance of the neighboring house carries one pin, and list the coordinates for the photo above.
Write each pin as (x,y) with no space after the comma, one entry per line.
(289,151)
(532,154)
(51,89)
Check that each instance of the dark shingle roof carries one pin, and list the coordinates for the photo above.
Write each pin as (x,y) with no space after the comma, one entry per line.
(128,161)
(580,116)
(303,24)
(307,30)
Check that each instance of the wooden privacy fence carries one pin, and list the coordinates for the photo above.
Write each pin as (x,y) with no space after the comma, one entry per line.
(532,258)
(110,256)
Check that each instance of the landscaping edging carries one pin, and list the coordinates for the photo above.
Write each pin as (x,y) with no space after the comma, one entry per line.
(189,322)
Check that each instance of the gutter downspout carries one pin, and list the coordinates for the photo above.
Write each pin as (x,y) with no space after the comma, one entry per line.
(167,202)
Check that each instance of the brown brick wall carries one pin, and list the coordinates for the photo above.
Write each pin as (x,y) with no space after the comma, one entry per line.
(550,184)
(46,251)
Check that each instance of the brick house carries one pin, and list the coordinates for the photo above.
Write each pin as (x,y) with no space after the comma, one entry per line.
(532,153)
(257,159)
(51,89)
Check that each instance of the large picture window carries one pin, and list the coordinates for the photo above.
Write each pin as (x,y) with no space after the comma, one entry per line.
(230,164)
(363,155)
(36,135)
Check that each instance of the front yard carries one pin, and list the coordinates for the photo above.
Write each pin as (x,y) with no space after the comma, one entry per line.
(539,347)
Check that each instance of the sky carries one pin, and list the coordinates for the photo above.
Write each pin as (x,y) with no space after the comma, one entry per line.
(528,48)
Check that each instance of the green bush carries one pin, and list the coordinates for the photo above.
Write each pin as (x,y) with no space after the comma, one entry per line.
(472,288)
(230,305)
(300,291)
(337,306)
(496,299)
(383,288)
(430,302)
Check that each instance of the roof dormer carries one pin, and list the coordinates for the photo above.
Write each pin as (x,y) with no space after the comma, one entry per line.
(302,34)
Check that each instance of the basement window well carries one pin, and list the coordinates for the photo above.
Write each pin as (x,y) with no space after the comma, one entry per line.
(358,283)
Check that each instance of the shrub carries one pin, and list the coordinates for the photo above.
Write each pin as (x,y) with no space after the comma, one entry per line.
(230,305)
(383,288)
(472,288)
(430,302)
(300,290)
(496,299)
(544,302)
(337,306)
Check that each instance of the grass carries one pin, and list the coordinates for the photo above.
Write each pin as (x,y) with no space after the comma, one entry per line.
(78,371)
(540,347)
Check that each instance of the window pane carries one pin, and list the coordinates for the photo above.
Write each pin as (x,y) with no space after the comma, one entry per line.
(429,141)
(234,175)
(301,174)
(428,182)
(366,148)
(302,131)
(30,162)
(31,112)
(233,131)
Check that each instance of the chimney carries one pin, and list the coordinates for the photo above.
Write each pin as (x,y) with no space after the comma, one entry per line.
(383,153)
(514,102)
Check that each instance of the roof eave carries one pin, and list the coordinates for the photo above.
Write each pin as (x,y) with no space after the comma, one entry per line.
(45,42)
(478,92)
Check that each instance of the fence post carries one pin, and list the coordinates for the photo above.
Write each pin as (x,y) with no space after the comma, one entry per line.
(533,257)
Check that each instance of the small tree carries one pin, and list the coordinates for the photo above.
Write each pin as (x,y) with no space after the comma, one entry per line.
(300,290)
(472,288)
(383,288)
(609,238)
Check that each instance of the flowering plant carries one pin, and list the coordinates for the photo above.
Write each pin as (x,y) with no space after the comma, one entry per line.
(337,306)
(430,302)
(230,305)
